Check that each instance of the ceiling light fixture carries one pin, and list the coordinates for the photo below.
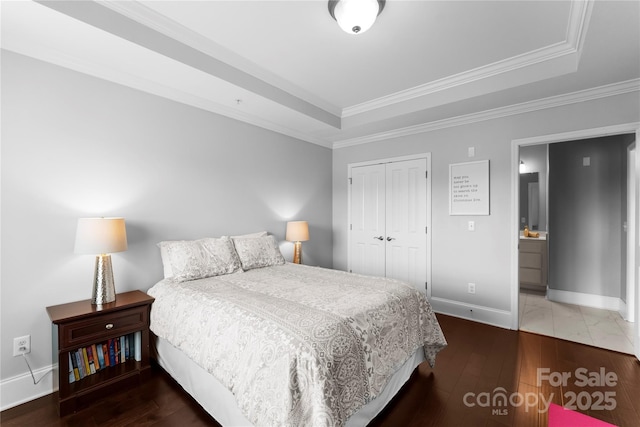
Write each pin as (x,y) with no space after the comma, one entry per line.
(355,16)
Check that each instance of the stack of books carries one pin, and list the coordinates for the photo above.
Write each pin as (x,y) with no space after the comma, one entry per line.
(87,361)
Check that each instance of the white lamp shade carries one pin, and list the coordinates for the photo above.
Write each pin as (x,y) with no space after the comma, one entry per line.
(297,231)
(359,14)
(100,236)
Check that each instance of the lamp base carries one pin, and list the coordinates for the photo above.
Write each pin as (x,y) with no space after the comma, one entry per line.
(297,253)
(104,291)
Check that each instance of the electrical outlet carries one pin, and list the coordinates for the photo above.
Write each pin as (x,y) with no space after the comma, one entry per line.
(471,226)
(22,345)
(472,288)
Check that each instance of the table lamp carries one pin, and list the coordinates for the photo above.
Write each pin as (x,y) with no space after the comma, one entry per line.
(101,236)
(297,232)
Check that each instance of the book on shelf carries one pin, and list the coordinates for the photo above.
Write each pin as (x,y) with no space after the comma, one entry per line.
(79,363)
(73,370)
(88,360)
(112,352)
(105,353)
(127,346)
(116,349)
(96,357)
(137,349)
(97,351)
(123,353)
(92,363)
(85,359)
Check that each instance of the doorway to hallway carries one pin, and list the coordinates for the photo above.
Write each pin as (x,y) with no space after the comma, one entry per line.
(520,302)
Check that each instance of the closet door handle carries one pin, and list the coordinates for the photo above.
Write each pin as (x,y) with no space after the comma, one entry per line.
(379,237)
(390,239)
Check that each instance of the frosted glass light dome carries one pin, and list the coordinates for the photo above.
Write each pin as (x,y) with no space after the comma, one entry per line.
(356,16)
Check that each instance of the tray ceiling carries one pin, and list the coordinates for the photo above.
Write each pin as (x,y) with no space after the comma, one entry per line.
(286,65)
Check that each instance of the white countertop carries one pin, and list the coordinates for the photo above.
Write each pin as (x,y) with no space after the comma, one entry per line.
(543,235)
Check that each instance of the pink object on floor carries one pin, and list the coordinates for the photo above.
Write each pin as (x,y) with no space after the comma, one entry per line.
(561,417)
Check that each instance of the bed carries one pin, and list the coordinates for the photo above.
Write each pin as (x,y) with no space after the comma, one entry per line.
(258,341)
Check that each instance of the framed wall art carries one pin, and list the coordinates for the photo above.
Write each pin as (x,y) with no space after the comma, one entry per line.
(469,188)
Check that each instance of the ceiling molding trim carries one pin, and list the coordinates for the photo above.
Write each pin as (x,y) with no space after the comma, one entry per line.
(579,15)
(96,15)
(159,22)
(525,107)
(579,19)
(518,62)
(105,72)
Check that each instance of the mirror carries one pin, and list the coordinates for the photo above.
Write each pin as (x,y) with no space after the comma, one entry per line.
(533,187)
(530,201)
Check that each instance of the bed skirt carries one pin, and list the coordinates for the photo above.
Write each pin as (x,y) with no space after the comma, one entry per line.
(221,404)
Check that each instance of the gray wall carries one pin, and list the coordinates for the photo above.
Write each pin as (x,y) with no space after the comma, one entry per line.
(76,146)
(587,209)
(483,256)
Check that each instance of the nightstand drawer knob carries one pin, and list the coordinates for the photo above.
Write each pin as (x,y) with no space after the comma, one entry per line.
(109,325)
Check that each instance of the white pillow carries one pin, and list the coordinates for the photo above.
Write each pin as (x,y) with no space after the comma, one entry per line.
(256,252)
(185,260)
(246,236)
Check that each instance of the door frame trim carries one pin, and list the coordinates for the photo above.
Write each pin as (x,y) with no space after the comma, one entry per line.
(515,195)
(632,234)
(427,157)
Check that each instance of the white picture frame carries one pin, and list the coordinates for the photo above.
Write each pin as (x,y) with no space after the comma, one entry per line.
(469,188)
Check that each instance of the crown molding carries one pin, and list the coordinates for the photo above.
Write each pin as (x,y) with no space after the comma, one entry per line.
(579,15)
(576,33)
(525,107)
(579,18)
(95,14)
(105,72)
(164,25)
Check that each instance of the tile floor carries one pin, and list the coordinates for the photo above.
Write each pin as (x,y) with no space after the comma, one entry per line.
(593,326)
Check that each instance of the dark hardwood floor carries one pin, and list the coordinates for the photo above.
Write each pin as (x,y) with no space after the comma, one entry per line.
(478,360)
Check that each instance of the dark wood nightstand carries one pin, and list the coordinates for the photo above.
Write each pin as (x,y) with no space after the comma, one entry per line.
(80,325)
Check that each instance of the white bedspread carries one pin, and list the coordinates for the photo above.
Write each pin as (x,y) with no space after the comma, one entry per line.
(297,345)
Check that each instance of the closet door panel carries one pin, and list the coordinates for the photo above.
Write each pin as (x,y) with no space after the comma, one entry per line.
(406,214)
(368,194)
(388,221)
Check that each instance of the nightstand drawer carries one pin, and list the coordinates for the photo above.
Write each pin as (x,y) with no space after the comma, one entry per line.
(101,327)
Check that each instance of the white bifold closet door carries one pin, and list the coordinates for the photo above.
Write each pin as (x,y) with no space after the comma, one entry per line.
(388,221)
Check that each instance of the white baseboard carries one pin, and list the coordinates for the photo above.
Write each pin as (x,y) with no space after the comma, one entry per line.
(21,389)
(587,300)
(478,313)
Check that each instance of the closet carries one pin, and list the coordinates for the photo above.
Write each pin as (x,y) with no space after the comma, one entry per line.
(388,220)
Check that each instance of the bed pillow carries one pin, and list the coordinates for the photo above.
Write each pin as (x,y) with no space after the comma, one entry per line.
(185,260)
(256,234)
(256,252)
